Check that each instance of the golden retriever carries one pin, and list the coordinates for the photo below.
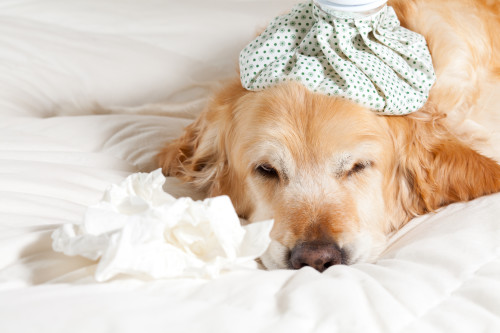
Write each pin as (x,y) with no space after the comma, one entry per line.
(338,178)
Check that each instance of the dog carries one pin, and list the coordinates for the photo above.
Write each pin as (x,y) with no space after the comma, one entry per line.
(338,178)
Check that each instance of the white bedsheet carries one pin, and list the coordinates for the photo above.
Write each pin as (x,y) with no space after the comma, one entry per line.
(59,151)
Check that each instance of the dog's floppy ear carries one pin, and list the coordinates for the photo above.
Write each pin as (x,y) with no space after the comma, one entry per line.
(437,168)
(199,156)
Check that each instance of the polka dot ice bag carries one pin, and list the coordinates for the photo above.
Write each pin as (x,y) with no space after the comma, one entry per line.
(365,57)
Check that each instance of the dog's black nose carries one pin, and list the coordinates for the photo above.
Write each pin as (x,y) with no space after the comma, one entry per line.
(319,256)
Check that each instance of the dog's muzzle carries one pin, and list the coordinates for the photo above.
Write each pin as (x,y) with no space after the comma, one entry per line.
(319,256)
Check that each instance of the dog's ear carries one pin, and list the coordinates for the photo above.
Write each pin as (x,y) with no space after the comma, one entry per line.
(437,168)
(199,156)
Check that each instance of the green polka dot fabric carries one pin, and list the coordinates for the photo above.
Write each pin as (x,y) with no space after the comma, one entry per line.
(370,60)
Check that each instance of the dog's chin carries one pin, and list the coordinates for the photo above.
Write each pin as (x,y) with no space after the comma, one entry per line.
(276,256)
(365,249)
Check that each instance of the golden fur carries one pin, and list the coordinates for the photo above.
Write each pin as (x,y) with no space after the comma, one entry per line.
(328,170)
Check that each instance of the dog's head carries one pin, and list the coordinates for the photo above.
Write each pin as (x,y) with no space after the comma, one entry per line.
(336,177)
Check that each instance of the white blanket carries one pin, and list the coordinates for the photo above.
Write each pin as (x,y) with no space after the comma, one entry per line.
(59,151)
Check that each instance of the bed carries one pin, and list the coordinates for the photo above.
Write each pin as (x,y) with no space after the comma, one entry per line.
(89,92)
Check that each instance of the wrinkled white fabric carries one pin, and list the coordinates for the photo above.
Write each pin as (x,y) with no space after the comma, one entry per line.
(139,229)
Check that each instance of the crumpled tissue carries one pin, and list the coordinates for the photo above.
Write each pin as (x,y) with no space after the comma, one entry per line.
(139,229)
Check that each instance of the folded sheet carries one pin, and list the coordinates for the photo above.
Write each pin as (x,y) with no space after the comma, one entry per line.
(139,229)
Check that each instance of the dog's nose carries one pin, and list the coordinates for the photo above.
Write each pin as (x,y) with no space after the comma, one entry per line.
(319,256)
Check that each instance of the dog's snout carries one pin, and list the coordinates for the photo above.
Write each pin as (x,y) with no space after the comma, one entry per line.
(319,256)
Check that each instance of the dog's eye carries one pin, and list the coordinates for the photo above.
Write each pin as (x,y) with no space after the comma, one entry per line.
(267,171)
(358,167)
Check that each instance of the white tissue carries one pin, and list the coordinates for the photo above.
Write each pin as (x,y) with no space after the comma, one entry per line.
(139,229)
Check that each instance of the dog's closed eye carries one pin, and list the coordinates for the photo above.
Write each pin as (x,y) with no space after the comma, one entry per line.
(267,171)
(358,167)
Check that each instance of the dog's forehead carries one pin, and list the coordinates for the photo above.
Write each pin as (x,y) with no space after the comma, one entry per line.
(312,126)
(293,126)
